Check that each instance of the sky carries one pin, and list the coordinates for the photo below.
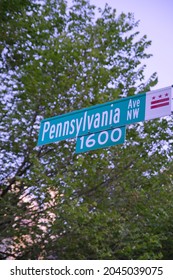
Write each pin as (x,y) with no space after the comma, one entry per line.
(156,21)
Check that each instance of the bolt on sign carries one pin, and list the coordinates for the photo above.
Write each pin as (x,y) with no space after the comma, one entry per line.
(97,124)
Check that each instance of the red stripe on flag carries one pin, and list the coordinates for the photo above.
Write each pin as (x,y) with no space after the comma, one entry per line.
(159,105)
(160,100)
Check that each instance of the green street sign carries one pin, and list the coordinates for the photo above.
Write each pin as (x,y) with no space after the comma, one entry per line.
(101,139)
(117,113)
(93,119)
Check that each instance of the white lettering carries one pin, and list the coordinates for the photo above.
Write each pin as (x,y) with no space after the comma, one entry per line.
(58,129)
(90,142)
(52,131)
(130,104)
(82,142)
(105,133)
(78,125)
(119,134)
(97,120)
(135,113)
(90,121)
(111,114)
(138,102)
(129,115)
(84,123)
(104,118)
(45,129)
(116,118)
(133,104)
(72,127)
(66,128)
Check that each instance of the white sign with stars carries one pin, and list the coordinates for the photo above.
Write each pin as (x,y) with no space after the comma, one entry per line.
(158,103)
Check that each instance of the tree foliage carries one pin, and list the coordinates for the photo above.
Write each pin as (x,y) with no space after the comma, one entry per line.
(114,203)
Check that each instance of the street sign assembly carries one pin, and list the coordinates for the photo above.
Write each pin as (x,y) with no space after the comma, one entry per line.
(107,116)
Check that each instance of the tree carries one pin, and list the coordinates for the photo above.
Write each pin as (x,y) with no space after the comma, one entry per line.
(54,203)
